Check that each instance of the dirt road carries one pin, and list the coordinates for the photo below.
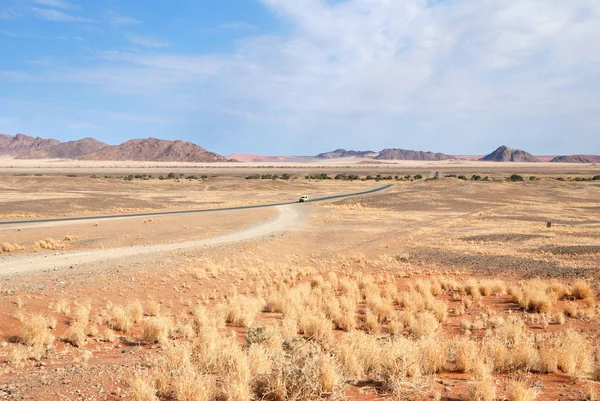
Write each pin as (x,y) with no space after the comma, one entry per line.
(288,216)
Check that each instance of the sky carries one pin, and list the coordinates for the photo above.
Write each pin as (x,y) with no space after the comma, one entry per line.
(299,77)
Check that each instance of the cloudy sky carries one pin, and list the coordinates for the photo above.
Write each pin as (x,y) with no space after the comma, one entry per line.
(305,76)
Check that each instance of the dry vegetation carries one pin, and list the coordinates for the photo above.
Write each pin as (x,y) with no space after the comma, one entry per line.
(306,336)
(393,306)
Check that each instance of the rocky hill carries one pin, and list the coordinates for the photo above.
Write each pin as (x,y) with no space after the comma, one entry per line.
(506,154)
(66,150)
(346,153)
(403,154)
(570,159)
(152,149)
(21,144)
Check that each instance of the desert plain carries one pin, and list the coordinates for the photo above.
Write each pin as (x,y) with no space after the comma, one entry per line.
(481,287)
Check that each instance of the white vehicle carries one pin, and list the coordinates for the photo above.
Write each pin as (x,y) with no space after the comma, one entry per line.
(303,198)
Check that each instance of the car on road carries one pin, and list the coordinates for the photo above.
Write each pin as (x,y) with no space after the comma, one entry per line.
(303,198)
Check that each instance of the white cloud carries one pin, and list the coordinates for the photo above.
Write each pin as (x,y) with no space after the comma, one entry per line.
(54,3)
(145,41)
(377,61)
(57,16)
(115,18)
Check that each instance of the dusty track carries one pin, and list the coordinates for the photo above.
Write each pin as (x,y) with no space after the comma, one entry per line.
(43,222)
(288,216)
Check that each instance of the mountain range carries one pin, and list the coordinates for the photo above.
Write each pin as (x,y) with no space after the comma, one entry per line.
(151,149)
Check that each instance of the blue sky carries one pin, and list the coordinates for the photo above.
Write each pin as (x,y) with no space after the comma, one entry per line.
(306,76)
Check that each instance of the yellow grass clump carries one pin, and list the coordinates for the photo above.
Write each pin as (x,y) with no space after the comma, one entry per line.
(34,332)
(49,243)
(582,290)
(520,391)
(9,247)
(156,329)
(76,335)
(142,390)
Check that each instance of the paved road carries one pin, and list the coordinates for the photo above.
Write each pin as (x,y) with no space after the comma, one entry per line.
(157,214)
(287,218)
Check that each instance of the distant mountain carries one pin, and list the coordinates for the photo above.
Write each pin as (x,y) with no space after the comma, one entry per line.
(403,154)
(505,154)
(248,158)
(152,149)
(21,144)
(570,159)
(66,150)
(346,153)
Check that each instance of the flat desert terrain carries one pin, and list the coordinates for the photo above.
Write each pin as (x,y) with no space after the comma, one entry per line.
(431,289)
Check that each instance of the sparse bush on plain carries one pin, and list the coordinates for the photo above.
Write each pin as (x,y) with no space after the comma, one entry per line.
(49,243)
(9,247)
(34,332)
(582,290)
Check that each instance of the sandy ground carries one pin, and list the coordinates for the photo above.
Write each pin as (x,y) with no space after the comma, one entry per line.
(286,218)
(416,230)
(11,166)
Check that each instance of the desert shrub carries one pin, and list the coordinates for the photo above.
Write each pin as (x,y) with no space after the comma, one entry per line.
(465,355)
(142,390)
(582,290)
(241,311)
(34,332)
(11,247)
(482,389)
(418,177)
(515,178)
(475,177)
(120,319)
(302,372)
(76,335)
(462,177)
(49,243)
(135,311)
(156,329)
(520,391)
(596,178)
(258,335)
(574,354)
(533,178)
(152,308)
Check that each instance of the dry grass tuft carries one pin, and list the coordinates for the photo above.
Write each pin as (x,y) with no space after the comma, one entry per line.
(156,329)
(76,335)
(49,243)
(11,247)
(120,319)
(35,333)
(142,390)
(520,391)
(582,290)
(152,308)
(483,387)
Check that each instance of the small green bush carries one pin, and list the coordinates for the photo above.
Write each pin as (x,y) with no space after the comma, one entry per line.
(515,178)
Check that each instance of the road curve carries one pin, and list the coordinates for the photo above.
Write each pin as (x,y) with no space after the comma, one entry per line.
(287,218)
(157,214)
